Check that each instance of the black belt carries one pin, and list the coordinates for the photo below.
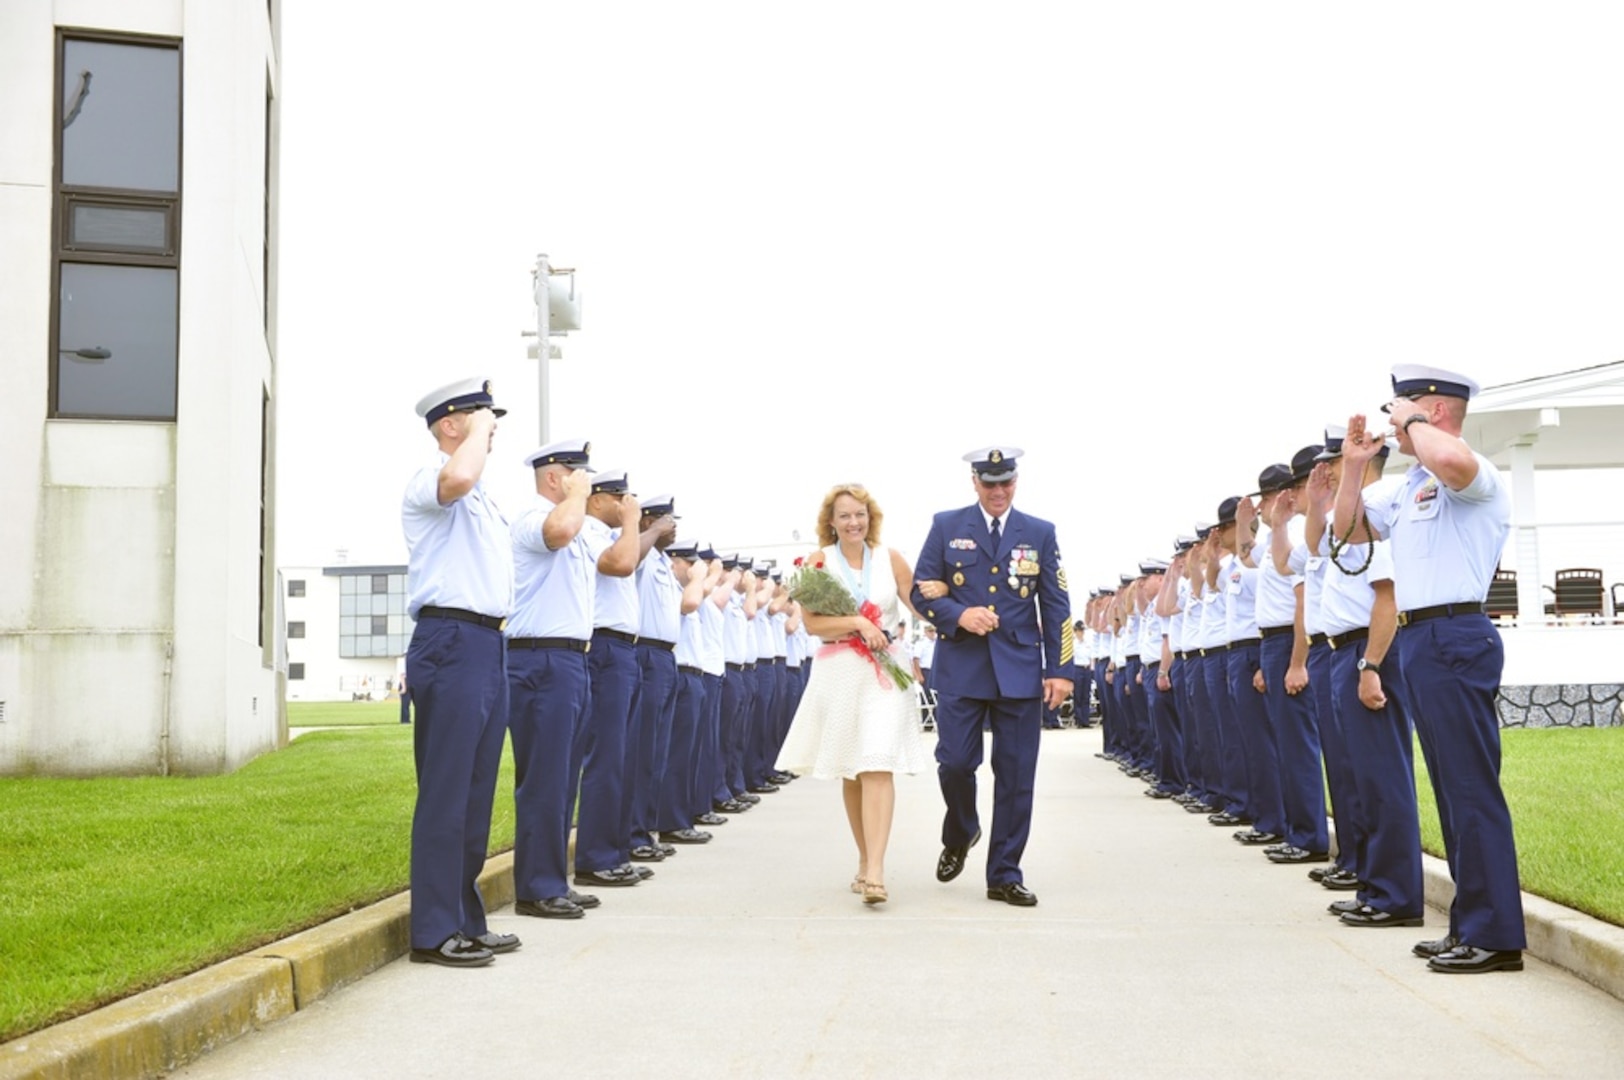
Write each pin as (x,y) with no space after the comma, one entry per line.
(490,622)
(1181,655)
(656,643)
(572,644)
(1438,611)
(1358,633)
(618,635)
(731,666)
(1271,631)
(1213,649)
(1154,663)
(1316,639)
(1238,642)
(1130,656)
(689,669)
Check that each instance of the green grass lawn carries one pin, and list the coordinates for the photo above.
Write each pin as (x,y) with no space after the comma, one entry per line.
(342,713)
(1566,791)
(110,886)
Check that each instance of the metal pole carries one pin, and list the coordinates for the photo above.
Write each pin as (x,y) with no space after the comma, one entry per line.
(544,273)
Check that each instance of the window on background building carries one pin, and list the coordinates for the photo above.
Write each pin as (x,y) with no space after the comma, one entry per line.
(295,671)
(295,629)
(296,586)
(372,618)
(116,248)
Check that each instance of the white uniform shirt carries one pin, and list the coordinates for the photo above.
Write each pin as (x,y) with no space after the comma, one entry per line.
(1239,583)
(1276,593)
(737,644)
(711,658)
(461,555)
(1311,567)
(554,588)
(615,603)
(659,598)
(1348,598)
(1446,543)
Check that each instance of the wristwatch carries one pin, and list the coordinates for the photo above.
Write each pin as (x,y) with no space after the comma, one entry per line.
(1366,665)
(1418,418)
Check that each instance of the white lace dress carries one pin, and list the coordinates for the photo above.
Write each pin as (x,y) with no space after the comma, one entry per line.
(849,721)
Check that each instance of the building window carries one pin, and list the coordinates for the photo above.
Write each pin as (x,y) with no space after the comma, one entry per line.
(295,629)
(296,587)
(295,671)
(116,249)
(372,618)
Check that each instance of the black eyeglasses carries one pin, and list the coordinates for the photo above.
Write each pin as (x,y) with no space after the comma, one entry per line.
(1416,395)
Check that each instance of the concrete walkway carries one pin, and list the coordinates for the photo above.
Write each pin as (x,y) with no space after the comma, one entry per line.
(1159,948)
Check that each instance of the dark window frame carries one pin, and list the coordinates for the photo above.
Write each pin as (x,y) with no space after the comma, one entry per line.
(66,197)
(296,671)
(296,587)
(296,629)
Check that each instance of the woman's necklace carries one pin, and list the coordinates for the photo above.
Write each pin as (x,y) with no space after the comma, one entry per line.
(859,592)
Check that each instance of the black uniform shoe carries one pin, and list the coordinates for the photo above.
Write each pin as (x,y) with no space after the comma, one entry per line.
(608,879)
(554,907)
(686,836)
(645,853)
(749,798)
(1369,916)
(1428,949)
(1344,907)
(584,900)
(1012,892)
(732,806)
(710,818)
(455,951)
(642,873)
(1295,855)
(1468,960)
(951,862)
(498,942)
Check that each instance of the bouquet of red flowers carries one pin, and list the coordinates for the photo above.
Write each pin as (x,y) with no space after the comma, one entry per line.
(819,592)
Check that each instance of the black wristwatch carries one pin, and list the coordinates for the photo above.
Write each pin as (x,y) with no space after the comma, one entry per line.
(1366,665)
(1418,418)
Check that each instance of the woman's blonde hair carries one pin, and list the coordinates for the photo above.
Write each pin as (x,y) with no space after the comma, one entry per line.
(826,514)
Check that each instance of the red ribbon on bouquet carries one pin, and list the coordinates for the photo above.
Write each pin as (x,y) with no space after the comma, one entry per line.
(856,644)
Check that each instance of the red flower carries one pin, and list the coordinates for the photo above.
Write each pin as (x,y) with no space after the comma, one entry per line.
(817,562)
(797,560)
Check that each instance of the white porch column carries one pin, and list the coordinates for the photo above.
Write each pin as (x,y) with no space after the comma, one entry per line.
(1525,531)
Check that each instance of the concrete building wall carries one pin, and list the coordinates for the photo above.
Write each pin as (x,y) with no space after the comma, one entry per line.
(132,636)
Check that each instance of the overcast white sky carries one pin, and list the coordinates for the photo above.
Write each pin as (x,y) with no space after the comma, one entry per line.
(854,240)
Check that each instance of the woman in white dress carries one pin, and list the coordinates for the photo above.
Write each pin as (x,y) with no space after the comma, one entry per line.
(854,722)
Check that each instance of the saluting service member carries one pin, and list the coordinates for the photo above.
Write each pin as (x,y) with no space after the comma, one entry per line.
(548,639)
(648,746)
(459,583)
(1003,651)
(1448,524)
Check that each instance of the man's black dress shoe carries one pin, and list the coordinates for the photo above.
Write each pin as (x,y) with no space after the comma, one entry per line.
(710,818)
(951,863)
(609,879)
(749,798)
(1319,872)
(1369,916)
(1340,881)
(1224,817)
(732,806)
(497,942)
(763,789)
(1012,892)
(584,900)
(1197,807)
(1344,907)
(1293,855)
(664,849)
(1254,838)
(642,873)
(685,836)
(645,853)
(554,907)
(781,778)
(455,951)
(1158,793)
(1426,950)
(1469,960)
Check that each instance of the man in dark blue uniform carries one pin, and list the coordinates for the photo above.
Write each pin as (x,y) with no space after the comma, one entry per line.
(997,596)
(459,583)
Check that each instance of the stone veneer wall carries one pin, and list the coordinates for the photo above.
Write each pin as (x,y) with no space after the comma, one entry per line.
(1571,705)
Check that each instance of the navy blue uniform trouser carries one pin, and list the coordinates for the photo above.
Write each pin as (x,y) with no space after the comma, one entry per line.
(1140,740)
(1164,718)
(678,799)
(458,675)
(759,751)
(713,789)
(656,708)
(1267,810)
(1338,769)
(601,830)
(738,705)
(1017,727)
(548,691)
(1302,784)
(1233,789)
(1383,765)
(1452,673)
